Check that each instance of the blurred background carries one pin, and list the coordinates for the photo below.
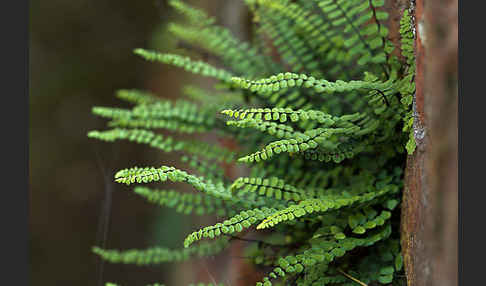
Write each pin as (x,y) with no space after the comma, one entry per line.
(80,54)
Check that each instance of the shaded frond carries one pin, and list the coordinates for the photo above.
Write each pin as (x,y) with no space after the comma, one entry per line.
(157,255)
(164,143)
(193,15)
(136,96)
(196,67)
(187,203)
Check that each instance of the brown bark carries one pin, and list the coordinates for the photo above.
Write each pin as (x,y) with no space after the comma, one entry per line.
(429,209)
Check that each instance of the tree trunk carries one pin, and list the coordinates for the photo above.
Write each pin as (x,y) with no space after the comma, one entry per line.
(430,198)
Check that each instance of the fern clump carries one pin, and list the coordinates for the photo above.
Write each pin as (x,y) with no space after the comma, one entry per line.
(324,132)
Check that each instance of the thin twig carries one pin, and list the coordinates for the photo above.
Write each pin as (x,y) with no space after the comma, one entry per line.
(352,278)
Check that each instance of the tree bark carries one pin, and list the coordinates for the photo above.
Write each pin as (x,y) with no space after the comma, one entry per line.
(430,197)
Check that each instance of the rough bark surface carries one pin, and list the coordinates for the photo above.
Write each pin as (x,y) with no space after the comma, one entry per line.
(430,198)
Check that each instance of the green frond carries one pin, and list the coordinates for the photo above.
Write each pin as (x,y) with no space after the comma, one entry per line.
(306,142)
(181,116)
(287,80)
(295,52)
(272,128)
(193,15)
(319,179)
(153,123)
(164,143)
(407,38)
(136,96)
(359,22)
(164,173)
(239,56)
(406,85)
(235,224)
(180,110)
(285,114)
(360,223)
(213,98)
(303,38)
(187,203)
(210,169)
(337,152)
(205,33)
(195,67)
(157,255)
(323,204)
(323,252)
(112,112)
(272,188)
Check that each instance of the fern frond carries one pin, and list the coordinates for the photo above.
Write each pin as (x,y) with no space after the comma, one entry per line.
(182,116)
(237,223)
(407,37)
(181,110)
(310,139)
(157,255)
(112,112)
(207,168)
(137,96)
(298,25)
(212,98)
(164,173)
(152,123)
(187,203)
(323,204)
(164,143)
(284,114)
(272,128)
(286,80)
(239,56)
(295,53)
(337,152)
(360,223)
(322,252)
(271,187)
(196,67)
(195,16)
(300,178)
(359,21)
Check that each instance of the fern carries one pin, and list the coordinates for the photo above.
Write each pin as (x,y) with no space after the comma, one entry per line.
(196,67)
(320,109)
(187,203)
(159,255)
